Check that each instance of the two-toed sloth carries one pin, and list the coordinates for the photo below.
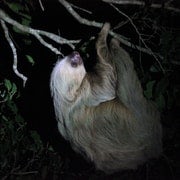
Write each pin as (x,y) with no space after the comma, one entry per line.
(104,113)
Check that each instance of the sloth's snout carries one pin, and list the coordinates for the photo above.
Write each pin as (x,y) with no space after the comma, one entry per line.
(75,59)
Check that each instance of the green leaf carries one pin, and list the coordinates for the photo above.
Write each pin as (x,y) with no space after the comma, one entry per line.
(37,140)
(26,21)
(30,59)
(27,41)
(154,69)
(16,7)
(160,101)
(8,84)
(50,148)
(13,90)
(149,89)
(15,29)
(161,86)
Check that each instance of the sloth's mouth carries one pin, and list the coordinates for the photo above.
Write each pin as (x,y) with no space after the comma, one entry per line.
(75,59)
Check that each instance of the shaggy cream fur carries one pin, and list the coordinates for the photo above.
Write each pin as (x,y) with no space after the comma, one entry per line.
(104,114)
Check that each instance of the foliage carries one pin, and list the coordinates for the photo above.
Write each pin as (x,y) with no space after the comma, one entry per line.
(164,90)
(22,152)
(22,10)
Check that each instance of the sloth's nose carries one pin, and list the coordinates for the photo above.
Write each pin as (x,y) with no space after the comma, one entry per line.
(75,59)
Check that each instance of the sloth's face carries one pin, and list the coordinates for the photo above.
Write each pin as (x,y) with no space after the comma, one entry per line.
(68,74)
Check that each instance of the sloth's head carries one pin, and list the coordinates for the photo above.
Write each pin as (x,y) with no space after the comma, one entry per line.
(68,75)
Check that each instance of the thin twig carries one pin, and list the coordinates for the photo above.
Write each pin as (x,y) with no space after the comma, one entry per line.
(41,5)
(175,62)
(15,61)
(81,20)
(24,173)
(139,34)
(27,30)
(142,3)
(82,9)
(58,39)
(123,23)
(37,33)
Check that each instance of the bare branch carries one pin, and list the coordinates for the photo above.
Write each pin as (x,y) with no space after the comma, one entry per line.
(81,20)
(142,3)
(41,5)
(28,30)
(38,33)
(24,173)
(139,34)
(58,39)
(82,9)
(175,62)
(15,61)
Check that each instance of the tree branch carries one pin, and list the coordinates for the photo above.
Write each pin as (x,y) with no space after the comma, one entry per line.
(139,34)
(38,33)
(41,5)
(142,3)
(81,20)
(15,61)
(122,39)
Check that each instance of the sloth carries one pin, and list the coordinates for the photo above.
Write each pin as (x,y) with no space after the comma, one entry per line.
(103,113)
